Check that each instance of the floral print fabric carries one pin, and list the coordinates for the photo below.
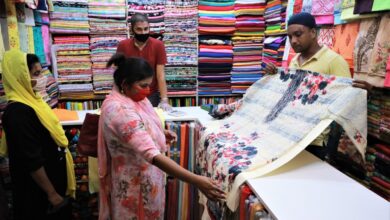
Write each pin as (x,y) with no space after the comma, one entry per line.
(279,116)
(133,135)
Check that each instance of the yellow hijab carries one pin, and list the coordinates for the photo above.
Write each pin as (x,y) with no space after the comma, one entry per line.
(17,87)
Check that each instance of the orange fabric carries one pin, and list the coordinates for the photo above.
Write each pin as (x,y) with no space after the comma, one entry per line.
(66,115)
(345,37)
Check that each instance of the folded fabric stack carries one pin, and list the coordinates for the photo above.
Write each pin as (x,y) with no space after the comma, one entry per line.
(215,64)
(51,87)
(154,9)
(70,16)
(275,17)
(250,206)
(378,169)
(107,17)
(74,91)
(102,48)
(274,49)
(248,44)
(181,33)
(107,9)
(73,64)
(181,80)
(216,17)
(378,122)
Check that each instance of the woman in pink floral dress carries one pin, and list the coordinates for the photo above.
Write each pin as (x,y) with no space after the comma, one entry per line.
(131,149)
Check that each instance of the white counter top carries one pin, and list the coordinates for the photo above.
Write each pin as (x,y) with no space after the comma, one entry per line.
(309,188)
(191,114)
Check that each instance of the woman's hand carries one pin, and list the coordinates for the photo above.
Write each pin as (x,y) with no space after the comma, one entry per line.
(209,188)
(170,137)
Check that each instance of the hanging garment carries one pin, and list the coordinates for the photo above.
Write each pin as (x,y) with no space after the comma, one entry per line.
(323,10)
(344,40)
(364,45)
(280,116)
(380,53)
(13,34)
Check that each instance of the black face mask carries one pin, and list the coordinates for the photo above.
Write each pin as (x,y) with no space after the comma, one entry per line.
(141,37)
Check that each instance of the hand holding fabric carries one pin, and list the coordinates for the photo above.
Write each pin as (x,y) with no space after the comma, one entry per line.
(164,105)
(170,137)
(210,188)
(269,68)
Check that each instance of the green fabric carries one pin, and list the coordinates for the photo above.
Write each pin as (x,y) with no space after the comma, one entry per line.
(381,5)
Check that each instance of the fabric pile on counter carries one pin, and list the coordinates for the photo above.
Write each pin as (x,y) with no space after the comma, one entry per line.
(154,9)
(102,48)
(247,44)
(70,16)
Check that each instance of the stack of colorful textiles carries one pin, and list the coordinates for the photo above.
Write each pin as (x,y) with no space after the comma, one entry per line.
(107,17)
(181,80)
(215,64)
(378,169)
(379,115)
(275,17)
(102,48)
(250,206)
(181,201)
(107,9)
(248,44)
(51,88)
(181,33)
(73,59)
(70,16)
(74,91)
(216,17)
(274,49)
(154,9)
(217,100)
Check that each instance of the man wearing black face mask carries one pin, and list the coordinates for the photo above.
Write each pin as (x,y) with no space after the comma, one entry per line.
(153,51)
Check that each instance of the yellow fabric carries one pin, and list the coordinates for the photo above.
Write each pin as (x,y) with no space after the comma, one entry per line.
(93,177)
(325,61)
(17,87)
(160,114)
(12,22)
(31,47)
(328,62)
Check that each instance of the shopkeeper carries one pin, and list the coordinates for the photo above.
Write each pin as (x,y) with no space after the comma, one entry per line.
(152,50)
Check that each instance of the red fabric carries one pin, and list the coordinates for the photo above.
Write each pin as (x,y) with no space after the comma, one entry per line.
(297,6)
(381,182)
(216,8)
(228,47)
(153,52)
(244,194)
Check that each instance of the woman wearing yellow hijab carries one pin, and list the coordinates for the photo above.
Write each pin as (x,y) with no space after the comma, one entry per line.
(41,166)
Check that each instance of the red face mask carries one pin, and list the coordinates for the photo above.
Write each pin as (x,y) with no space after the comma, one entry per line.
(141,93)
